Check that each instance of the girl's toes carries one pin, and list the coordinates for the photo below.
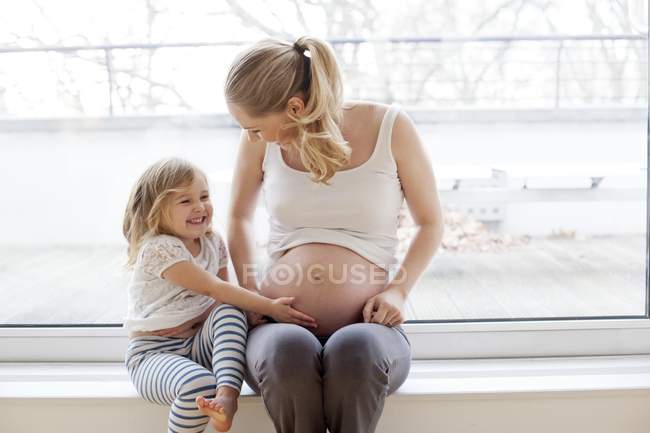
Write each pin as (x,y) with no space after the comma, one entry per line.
(200,401)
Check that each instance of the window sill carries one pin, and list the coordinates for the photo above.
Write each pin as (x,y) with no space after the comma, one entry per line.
(477,340)
(428,379)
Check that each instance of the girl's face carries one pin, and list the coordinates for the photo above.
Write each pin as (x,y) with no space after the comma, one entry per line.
(267,128)
(190,210)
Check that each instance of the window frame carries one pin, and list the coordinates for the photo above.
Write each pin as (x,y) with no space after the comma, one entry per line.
(481,339)
(431,340)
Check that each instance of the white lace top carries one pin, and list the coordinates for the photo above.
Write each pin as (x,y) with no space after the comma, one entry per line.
(155,303)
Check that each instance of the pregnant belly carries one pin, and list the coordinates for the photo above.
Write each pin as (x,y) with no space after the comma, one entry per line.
(330,283)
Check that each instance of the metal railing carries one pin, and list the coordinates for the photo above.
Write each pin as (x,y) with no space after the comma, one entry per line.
(434,72)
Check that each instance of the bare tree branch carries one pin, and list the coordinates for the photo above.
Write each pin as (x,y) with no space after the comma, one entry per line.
(249,20)
(300,15)
(491,17)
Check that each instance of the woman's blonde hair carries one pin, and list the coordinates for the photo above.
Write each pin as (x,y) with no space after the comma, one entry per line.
(147,212)
(265,76)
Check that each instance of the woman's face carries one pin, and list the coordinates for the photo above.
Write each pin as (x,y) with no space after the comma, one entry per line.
(267,127)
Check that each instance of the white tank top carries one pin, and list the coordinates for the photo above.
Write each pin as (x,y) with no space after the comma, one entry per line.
(358,210)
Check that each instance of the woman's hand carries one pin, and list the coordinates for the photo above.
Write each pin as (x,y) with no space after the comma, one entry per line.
(385,308)
(282,311)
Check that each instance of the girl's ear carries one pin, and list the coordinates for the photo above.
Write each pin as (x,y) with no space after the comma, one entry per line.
(295,105)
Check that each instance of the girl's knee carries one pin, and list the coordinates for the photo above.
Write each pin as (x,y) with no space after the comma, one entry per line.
(226,315)
(201,383)
(227,310)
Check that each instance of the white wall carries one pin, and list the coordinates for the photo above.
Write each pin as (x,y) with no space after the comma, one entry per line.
(575,412)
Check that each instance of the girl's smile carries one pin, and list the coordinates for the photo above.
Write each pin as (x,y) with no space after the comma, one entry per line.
(198,220)
(190,211)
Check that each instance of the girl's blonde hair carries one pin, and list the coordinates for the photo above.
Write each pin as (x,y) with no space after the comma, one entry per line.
(147,212)
(264,77)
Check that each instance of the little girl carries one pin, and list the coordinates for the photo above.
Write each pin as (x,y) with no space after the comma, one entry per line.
(187,335)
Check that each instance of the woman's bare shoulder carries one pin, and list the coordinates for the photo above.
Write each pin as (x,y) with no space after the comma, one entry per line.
(253,151)
(364,111)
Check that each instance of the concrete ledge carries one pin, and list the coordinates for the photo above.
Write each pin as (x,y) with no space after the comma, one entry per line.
(535,395)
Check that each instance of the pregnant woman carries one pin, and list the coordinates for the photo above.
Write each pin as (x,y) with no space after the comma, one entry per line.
(333,176)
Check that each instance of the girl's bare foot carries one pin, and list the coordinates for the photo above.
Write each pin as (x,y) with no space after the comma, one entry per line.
(220,409)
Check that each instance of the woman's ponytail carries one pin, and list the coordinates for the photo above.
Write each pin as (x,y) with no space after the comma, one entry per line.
(264,78)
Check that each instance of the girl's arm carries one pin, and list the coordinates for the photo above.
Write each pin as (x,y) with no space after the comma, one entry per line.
(188,328)
(192,277)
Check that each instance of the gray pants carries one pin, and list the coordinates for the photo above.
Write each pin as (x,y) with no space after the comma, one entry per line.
(339,383)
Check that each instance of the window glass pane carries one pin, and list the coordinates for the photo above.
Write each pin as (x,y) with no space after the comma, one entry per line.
(534,119)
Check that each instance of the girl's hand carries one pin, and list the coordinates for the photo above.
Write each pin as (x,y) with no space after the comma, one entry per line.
(385,308)
(282,311)
(255,319)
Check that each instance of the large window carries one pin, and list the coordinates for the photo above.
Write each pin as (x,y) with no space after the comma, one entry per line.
(534,115)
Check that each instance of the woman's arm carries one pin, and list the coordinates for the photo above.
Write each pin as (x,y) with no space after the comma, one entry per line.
(246,184)
(421,195)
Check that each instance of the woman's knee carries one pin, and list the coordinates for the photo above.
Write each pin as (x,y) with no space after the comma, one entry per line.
(284,353)
(355,352)
(364,357)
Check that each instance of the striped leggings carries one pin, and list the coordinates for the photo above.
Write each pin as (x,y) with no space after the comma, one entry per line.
(174,371)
